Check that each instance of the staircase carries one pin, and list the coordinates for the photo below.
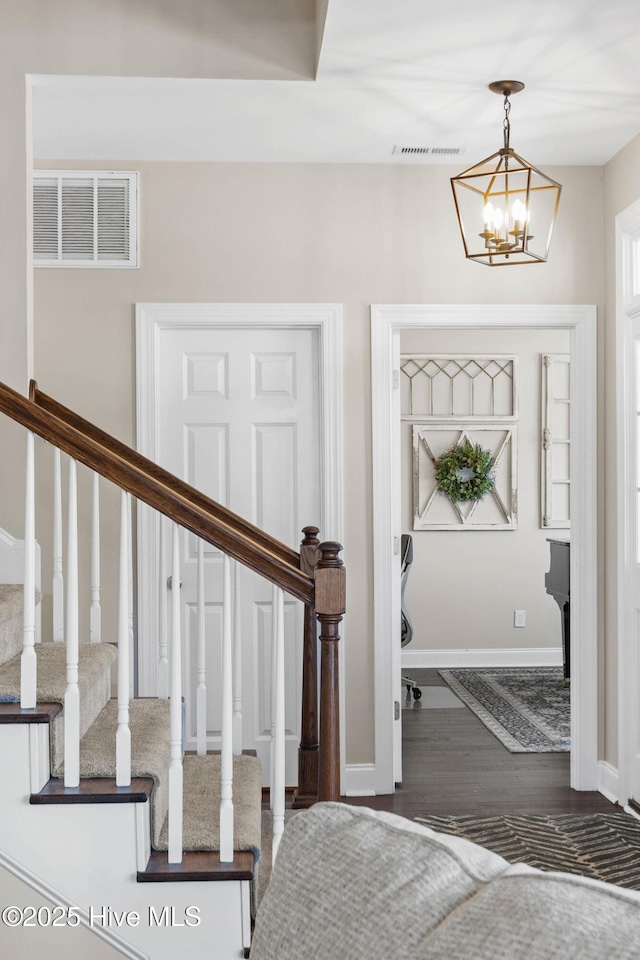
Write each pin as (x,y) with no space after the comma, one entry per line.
(100,803)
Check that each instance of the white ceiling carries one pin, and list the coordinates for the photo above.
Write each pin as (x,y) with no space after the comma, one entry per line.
(391,72)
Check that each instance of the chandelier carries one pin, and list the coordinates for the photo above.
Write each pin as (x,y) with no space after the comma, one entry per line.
(506,207)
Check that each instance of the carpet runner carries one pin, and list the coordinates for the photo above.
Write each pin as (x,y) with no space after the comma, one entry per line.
(150,745)
(527,709)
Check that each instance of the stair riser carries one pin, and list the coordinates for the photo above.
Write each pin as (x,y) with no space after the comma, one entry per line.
(93,701)
(89,854)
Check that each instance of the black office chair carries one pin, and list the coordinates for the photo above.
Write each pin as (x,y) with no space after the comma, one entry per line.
(406,628)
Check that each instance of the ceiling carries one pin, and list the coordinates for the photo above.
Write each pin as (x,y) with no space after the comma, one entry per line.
(390,73)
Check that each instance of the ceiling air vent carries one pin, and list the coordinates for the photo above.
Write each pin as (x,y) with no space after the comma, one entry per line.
(85,219)
(430,151)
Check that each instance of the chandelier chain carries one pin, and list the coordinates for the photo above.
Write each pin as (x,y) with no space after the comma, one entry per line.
(506,125)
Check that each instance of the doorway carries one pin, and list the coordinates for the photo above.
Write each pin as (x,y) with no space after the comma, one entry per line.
(242,401)
(386,323)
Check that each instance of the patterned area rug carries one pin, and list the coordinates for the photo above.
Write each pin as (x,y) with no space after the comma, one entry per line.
(605,846)
(528,709)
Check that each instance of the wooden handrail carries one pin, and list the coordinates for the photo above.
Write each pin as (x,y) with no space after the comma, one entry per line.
(161,490)
(212,507)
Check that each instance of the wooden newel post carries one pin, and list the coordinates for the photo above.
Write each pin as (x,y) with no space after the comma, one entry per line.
(307,791)
(330,605)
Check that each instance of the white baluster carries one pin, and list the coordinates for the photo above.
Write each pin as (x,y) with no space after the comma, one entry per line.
(163,644)
(175,689)
(279,730)
(226,746)
(28,660)
(272,691)
(95,613)
(123,733)
(130,610)
(72,696)
(201,692)
(58,576)
(237,663)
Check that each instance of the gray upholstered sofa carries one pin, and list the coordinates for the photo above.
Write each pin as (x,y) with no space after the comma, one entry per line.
(357,884)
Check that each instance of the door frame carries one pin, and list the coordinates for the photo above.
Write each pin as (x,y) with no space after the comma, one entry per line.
(386,323)
(151,320)
(627,310)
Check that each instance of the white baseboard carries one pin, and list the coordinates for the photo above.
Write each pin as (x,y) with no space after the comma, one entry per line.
(517,657)
(608,781)
(360,780)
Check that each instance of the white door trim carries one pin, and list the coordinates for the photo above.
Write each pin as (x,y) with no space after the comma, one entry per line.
(627,309)
(151,320)
(386,323)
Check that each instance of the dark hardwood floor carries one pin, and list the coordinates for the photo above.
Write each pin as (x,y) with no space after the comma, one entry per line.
(452,765)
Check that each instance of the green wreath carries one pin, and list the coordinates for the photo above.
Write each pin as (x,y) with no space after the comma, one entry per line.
(464,473)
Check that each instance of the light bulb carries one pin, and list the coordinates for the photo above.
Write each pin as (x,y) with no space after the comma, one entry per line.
(487,216)
(519,210)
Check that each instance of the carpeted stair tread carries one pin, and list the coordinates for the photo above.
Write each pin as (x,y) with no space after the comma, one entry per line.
(11,601)
(201,815)
(93,659)
(150,751)
(94,682)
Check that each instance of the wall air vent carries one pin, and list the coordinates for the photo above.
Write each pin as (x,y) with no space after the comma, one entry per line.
(85,218)
(429,151)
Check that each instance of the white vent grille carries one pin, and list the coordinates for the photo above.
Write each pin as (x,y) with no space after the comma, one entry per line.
(83,219)
(430,151)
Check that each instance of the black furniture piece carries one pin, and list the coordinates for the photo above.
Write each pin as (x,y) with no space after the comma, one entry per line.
(406,627)
(557,583)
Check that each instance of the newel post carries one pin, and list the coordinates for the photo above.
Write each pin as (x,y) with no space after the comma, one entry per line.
(330,577)
(307,791)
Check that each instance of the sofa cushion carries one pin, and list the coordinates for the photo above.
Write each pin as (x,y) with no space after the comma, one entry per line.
(540,916)
(354,882)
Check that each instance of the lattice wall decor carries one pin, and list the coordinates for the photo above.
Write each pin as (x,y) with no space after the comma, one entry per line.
(556,441)
(452,387)
(432,509)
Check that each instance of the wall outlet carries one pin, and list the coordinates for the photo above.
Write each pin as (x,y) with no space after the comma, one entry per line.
(519,618)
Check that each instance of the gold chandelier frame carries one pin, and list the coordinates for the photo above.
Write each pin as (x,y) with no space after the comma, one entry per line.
(510,197)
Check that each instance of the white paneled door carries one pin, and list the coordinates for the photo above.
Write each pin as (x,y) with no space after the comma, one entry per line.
(238,417)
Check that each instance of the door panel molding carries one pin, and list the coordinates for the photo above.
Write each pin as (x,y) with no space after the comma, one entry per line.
(386,323)
(152,319)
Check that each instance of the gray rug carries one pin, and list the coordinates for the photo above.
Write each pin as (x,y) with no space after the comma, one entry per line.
(527,709)
(598,845)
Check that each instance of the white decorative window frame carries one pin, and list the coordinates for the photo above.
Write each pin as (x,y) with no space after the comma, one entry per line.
(508,363)
(549,442)
(507,452)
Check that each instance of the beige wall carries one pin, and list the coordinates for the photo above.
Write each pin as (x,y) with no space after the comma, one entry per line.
(33,943)
(158,38)
(352,234)
(464,586)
